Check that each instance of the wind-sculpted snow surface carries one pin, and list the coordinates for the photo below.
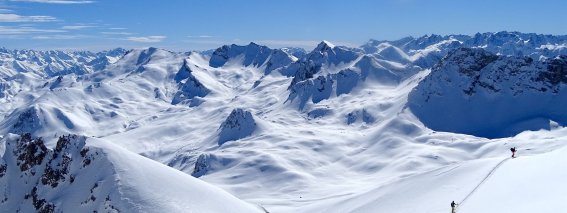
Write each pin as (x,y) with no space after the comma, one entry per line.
(335,129)
(332,71)
(476,92)
(86,175)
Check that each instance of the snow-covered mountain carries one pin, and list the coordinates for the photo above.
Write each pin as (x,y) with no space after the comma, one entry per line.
(487,95)
(331,70)
(333,129)
(428,50)
(251,55)
(86,174)
(55,63)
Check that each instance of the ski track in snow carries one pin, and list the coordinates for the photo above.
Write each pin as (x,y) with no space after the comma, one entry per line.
(481,182)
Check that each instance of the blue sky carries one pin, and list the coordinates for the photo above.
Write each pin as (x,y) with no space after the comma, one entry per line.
(205,24)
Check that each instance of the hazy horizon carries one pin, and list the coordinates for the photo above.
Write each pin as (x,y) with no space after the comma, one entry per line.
(195,25)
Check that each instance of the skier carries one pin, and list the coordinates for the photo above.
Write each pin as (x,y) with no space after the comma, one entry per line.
(513,149)
(453,207)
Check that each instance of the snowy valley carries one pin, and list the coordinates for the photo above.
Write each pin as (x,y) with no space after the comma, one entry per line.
(391,126)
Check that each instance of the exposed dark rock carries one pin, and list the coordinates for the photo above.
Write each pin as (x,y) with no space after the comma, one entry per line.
(28,121)
(201,166)
(54,174)
(473,91)
(3,168)
(238,124)
(30,152)
(84,152)
(41,205)
(556,72)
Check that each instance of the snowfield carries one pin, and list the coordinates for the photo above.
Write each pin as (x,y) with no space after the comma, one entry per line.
(393,126)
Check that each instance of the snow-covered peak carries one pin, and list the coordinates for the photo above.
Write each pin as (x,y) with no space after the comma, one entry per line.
(328,53)
(251,55)
(239,124)
(143,56)
(324,46)
(278,59)
(138,60)
(390,52)
(85,174)
(189,86)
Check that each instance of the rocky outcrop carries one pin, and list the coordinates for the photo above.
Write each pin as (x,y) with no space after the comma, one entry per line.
(42,175)
(189,86)
(476,92)
(311,84)
(28,121)
(357,115)
(239,124)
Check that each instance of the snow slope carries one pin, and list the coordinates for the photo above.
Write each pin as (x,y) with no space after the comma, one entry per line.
(86,174)
(526,184)
(486,185)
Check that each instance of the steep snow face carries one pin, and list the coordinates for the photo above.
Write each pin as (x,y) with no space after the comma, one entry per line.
(278,59)
(476,92)
(389,52)
(87,175)
(42,119)
(326,57)
(238,124)
(189,86)
(136,60)
(28,120)
(330,55)
(295,51)
(53,63)
(424,51)
(330,71)
(251,55)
